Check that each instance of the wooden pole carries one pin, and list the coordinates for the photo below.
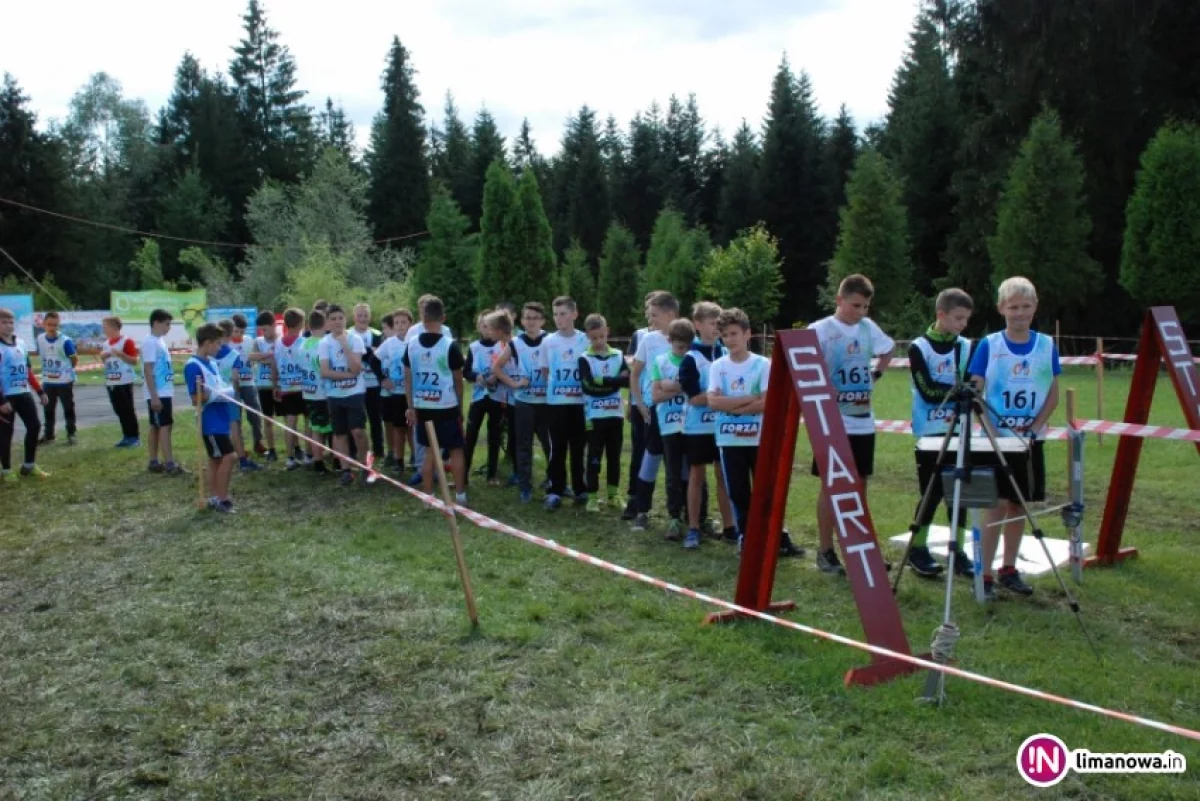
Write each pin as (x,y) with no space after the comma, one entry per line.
(1099,384)
(1057,335)
(201,460)
(459,556)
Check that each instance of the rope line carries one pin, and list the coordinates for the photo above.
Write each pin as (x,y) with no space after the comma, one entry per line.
(494,525)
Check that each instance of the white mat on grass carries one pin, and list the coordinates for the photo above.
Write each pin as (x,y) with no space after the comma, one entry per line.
(1031,560)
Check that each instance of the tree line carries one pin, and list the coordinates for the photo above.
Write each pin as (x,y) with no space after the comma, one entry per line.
(1051,140)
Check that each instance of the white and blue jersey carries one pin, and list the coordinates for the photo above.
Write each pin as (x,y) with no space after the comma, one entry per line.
(529,366)
(848,351)
(291,362)
(56,355)
(482,357)
(560,357)
(330,351)
(700,420)
(670,412)
(262,369)
(607,365)
(946,369)
(154,351)
(244,348)
(227,362)
(432,378)
(14,367)
(652,345)
(1017,379)
(738,380)
(214,416)
(118,372)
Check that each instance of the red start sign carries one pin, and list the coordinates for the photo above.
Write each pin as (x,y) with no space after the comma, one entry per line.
(1162,339)
(799,385)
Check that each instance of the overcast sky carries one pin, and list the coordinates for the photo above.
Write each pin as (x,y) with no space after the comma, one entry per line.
(539,59)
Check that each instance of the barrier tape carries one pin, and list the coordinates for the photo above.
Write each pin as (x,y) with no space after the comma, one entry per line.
(1071,361)
(490,524)
(1088,426)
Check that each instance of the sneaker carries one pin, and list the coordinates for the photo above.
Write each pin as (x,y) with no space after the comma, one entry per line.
(828,562)
(37,472)
(260,449)
(72,439)
(593,504)
(307,458)
(581,499)
(225,507)
(546,485)
(9,477)
(641,522)
(250,466)
(526,496)
(568,492)
(130,442)
(630,510)
(989,589)
(291,464)
(414,480)
(674,530)
(346,478)
(963,567)
(320,469)
(213,503)
(1010,579)
(301,456)
(272,456)
(157,467)
(174,469)
(692,540)
(46,440)
(709,528)
(461,499)
(923,563)
(553,502)
(731,535)
(787,548)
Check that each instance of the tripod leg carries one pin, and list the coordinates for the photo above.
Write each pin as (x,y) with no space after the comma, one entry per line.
(977,553)
(922,510)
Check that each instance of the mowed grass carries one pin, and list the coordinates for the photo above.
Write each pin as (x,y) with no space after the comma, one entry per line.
(315,645)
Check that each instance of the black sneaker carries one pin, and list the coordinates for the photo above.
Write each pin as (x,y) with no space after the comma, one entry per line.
(630,510)
(989,590)
(828,562)
(730,534)
(1010,579)
(963,566)
(46,440)
(272,456)
(788,548)
(923,563)
(346,479)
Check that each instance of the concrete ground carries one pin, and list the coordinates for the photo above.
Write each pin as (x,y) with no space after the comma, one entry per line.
(91,408)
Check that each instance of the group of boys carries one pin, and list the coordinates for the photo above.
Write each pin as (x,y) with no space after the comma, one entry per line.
(696,397)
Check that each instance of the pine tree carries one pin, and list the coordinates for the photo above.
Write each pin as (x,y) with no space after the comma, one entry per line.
(399,196)
(617,288)
(581,192)
(841,152)
(874,237)
(334,129)
(1042,226)
(675,259)
(190,210)
(644,182)
(712,184)
(278,125)
(447,263)
(1161,260)
(487,145)
(683,146)
(922,139)
(746,275)
(528,233)
(795,203)
(612,151)
(453,167)
(578,281)
(499,268)
(740,195)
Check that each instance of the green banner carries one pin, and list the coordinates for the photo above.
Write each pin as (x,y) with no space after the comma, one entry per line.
(185,307)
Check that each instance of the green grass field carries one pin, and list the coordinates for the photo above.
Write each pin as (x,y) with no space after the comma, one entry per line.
(315,645)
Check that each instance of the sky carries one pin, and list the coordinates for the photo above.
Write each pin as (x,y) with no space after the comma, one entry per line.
(540,59)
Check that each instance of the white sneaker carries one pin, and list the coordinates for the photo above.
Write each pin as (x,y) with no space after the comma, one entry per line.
(461,499)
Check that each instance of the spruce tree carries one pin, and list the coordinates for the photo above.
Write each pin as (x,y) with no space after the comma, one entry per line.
(712,185)
(528,233)
(874,237)
(487,145)
(453,165)
(499,267)
(746,275)
(841,151)
(675,259)
(1161,260)
(612,151)
(334,129)
(278,125)
(447,263)
(578,282)
(1042,225)
(191,210)
(683,146)
(399,196)
(740,194)
(617,294)
(644,181)
(581,191)
(795,203)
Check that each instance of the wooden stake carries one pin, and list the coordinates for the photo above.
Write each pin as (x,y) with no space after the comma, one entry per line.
(1057,334)
(1099,385)
(459,556)
(201,456)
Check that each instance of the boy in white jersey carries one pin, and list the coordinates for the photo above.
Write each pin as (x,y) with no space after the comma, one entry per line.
(1017,369)
(699,431)
(938,361)
(486,399)
(229,365)
(318,424)
(670,408)
(661,310)
(342,354)
(387,336)
(602,374)
(500,326)
(247,387)
(372,374)
(120,355)
(59,360)
(395,401)
(262,359)
(17,385)
(564,404)
(737,391)
(637,424)
(433,381)
(159,388)
(528,383)
(849,340)
(288,371)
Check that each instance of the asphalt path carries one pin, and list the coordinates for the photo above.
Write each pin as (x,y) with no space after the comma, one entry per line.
(91,408)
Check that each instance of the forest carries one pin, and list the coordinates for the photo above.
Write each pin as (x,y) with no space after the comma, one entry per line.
(1052,140)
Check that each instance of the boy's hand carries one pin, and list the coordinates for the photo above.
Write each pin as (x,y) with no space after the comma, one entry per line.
(389,385)
(44,398)
(6,410)
(155,404)
(645,410)
(410,417)
(278,396)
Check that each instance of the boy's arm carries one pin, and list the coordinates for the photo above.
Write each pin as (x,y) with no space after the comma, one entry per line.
(620,380)
(458,388)
(591,386)
(657,393)
(125,355)
(635,386)
(72,352)
(354,359)
(1043,416)
(929,390)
